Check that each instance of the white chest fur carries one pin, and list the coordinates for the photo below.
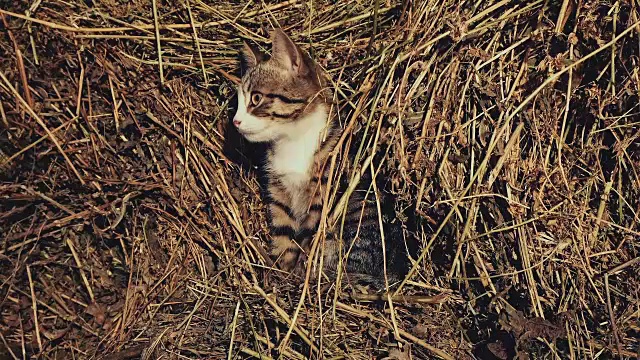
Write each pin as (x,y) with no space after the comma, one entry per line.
(292,157)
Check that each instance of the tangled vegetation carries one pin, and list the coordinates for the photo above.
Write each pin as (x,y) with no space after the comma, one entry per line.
(131,218)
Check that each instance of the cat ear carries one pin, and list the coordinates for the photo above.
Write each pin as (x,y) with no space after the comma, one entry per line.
(251,55)
(286,53)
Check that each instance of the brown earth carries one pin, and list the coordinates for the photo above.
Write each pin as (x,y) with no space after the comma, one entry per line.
(131,218)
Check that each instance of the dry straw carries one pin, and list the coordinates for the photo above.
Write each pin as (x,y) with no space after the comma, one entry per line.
(131,219)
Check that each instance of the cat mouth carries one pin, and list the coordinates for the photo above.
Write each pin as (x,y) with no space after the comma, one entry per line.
(245,132)
(249,135)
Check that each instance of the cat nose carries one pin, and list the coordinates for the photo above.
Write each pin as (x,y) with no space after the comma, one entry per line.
(236,122)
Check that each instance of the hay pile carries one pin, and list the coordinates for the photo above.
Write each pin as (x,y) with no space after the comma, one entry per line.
(131,219)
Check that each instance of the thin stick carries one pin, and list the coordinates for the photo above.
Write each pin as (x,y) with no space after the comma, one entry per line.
(158,46)
(234,324)
(48,199)
(114,99)
(197,41)
(6,346)
(79,265)
(34,307)
(612,318)
(80,85)
(403,299)
(20,63)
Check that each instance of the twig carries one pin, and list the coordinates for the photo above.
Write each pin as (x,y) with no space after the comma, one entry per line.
(34,308)
(20,63)
(234,325)
(80,268)
(197,41)
(158,46)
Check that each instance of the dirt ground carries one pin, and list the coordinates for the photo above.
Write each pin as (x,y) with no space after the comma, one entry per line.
(131,219)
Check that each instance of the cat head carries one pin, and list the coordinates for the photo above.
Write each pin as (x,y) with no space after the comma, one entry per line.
(280,96)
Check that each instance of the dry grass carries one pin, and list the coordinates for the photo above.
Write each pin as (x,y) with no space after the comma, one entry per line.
(132,223)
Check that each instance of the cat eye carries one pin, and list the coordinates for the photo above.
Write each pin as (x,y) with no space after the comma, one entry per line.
(256,98)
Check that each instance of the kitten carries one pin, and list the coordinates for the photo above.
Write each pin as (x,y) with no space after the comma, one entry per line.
(283,101)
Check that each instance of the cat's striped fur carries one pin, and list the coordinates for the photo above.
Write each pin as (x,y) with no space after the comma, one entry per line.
(283,101)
